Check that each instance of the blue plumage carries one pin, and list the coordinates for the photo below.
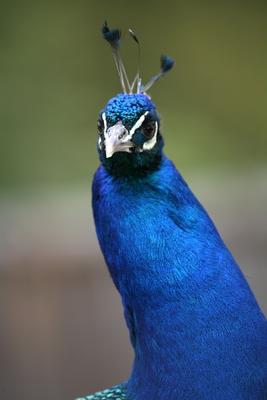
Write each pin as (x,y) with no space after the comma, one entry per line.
(195,326)
(194,323)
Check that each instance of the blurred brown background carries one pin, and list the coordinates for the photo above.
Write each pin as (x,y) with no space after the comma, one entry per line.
(62,332)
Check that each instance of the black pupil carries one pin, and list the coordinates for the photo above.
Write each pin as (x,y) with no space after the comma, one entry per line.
(149,129)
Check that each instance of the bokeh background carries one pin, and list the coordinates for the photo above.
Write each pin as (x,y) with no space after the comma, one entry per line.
(62,333)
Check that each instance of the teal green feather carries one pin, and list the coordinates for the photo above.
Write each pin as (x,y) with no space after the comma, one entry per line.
(115,393)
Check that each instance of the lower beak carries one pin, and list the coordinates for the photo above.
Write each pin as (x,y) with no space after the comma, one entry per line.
(114,145)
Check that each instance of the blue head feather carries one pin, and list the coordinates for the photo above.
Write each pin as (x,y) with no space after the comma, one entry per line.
(128,108)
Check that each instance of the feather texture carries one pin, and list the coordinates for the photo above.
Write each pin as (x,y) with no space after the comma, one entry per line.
(114,393)
(198,331)
(195,326)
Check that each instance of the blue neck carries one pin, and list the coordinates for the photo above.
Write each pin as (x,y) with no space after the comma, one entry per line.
(190,312)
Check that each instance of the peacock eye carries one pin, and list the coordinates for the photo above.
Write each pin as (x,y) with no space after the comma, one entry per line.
(148,129)
(100,126)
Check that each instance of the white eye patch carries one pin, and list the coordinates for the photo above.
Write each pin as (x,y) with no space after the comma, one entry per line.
(105,130)
(149,144)
(105,122)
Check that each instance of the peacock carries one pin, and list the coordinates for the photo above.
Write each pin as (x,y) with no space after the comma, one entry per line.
(194,323)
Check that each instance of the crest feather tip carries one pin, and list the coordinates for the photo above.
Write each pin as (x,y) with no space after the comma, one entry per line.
(112,36)
(166,63)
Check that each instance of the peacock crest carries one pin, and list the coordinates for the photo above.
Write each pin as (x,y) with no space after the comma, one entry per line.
(113,37)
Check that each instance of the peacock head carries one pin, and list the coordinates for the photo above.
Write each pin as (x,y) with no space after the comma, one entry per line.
(129,138)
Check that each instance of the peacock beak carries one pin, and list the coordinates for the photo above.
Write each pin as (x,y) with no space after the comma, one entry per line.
(117,138)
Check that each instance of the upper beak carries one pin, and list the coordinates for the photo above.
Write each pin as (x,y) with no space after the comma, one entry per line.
(117,138)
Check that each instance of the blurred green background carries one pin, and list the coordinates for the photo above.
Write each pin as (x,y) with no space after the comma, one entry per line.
(62,331)
(56,74)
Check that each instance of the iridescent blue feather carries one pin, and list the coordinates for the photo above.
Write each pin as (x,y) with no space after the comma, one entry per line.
(114,393)
(195,325)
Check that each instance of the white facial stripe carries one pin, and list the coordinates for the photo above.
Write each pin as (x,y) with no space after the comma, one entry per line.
(105,129)
(105,122)
(149,144)
(138,123)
